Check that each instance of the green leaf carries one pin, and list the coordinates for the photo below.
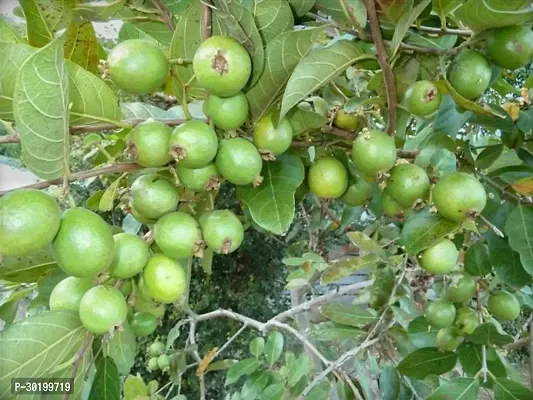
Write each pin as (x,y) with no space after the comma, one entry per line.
(303,121)
(257,346)
(152,31)
(271,204)
(122,349)
(281,57)
(243,367)
(106,383)
(255,384)
(129,31)
(133,387)
(347,266)
(93,201)
(44,18)
(477,261)
(489,154)
(423,230)
(519,229)
(489,334)
(352,12)
(319,392)
(428,361)
(506,262)
(35,346)
(448,120)
(140,110)
(93,101)
(41,112)
(327,331)
(403,25)
(525,121)
(457,389)
(273,347)
(477,16)
(508,389)
(382,287)
(470,357)
(421,334)
(364,243)
(273,392)
(81,46)
(301,7)
(26,269)
(443,162)
(389,383)
(12,56)
(221,365)
(108,198)
(299,368)
(272,17)
(347,314)
(7,34)
(317,69)
(98,10)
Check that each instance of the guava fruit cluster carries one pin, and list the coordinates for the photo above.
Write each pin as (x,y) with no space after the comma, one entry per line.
(158,360)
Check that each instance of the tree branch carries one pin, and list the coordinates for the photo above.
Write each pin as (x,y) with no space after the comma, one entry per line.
(206,19)
(78,176)
(388,76)
(442,31)
(165,13)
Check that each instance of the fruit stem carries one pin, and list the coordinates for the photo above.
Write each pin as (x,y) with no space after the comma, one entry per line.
(180,61)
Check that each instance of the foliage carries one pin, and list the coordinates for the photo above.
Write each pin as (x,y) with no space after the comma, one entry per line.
(64,119)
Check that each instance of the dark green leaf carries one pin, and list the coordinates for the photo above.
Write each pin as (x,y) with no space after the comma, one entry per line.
(382,287)
(347,266)
(299,368)
(429,361)
(272,17)
(44,18)
(273,392)
(471,360)
(519,229)
(389,383)
(122,349)
(352,12)
(243,367)
(273,347)
(489,334)
(403,25)
(303,121)
(525,121)
(477,262)
(347,314)
(448,120)
(108,198)
(41,104)
(443,162)
(477,16)
(457,389)
(221,365)
(255,384)
(508,389)
(506,262)
(257,346)
(45,285)
(327,331)
(26,269)
(421,334)
(106,383)
(493,123)
(81,46)
(423,230)
(93,202)
(487,157)
(271,204)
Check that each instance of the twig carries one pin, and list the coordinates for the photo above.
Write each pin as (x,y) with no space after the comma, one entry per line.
(517,344)
(180,61)
(442,31)
(80,176)
(484,369)
(388,76)
(192,341)
(503,190)
(166,98)
(491,226)
(338,132)
(206,20)
(530,353)
(9,139)
(165,13)
(229,341)
(352,386)
(77,359)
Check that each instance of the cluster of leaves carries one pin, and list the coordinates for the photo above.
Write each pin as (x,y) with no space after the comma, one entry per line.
(50,86)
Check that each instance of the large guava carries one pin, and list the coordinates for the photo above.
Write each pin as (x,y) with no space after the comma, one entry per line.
(222,230)
(153,196)
(327,178)
(84,245)
(67,294)
(193,144)
(510,47)
(469,74)
(131,255)
(407,184)
(178,235)
(29,220)
(374,152)
(200,179)
(440,313)
(164,278)
(504,305)
(227,113)
(441,258)
(274,139)
(462,288)
(148,144)
(102,309)
(239,161)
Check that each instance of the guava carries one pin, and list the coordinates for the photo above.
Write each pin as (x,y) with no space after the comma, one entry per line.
(223,231)
(510,47)
(239,161)
(422,98)
(459,196)
(349,122)
(357,193)
(469,74)
(200,179)
(504,305)
(222,66)
(84,245)
(143,323)
(440,313)
(137,66)
(441,258)
(131,255)
(127,287)
(466,321)
(275,139)
(462,288)
(152,364)
(29,220)
(67,294)
(147,305)
(407,184)
(163,362)
(327,178)
(153,196)
(164,278)
(447,339)
(193,144)
(392,208)
(148,144)
(156,349)
(178,235)
(142,290)
(373,152)
(102,309)
(227,113)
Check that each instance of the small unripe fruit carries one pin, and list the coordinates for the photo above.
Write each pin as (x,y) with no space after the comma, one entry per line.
(441,258)
(163,361)
(67,294)
(374,152)
(152,364)
(131,255)
(178,235)
(510,47)
(357,193)
(466,321)
(156,349)
(440,313)
(148,144)
(227,113)
(407,184)
(349,122)
(447,339)
(193,144)
(239,161)
(223,231)
(462,289)
(164,279)
(200,179)
(469,74)
(328,178)
(102,309)
(504,305)
(392,209)
(422,98)
(275,139)
(143,323)
(153,196)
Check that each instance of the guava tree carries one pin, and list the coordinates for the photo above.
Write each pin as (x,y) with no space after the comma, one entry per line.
(404,126)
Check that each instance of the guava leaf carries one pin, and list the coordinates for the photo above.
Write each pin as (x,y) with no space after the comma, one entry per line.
(271,204)
(81,46)
(44,18)
(403,25)
(506,262)
(41,104)
(121,348)
(272,17)
(489,334)
(153,31)
(519,229)
(305,121)
(26,269)
(301,7)
(99,10)
(347,314)
(8,35)
(428,361)
(352,12)
(106,383)
(130,31)
(487,14)
(457,388)
(274,347)
(508,389)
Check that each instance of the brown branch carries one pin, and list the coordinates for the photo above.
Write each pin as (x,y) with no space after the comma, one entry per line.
(338,132)
(9,139)
(77,360)
(207,19)
(388,76)
(165,13)
(517,344)
(78,176)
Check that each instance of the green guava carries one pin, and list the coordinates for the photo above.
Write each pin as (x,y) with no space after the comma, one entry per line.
(357,193)
(148,144)
(239,161)
(143,323)
(374,152)
(407,184)
(327,178)
(441,258)
(163,362)
(200,179)
(462,288)
(153,196)
(440,313)
(227,113)
(67,294)
(447,339)
(466,321)
(349,122)
(193,144)
(131,255)
(178,235)
(164,279)
(422,98)
(504,305)
(469,74)
(102,309)
(510,47)
(156,349)
(392,208)
(223,231)
(275,139)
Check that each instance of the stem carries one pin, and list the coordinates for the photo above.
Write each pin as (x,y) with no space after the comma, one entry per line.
(77,359)
(165,13)
(188,272)
(206,19)
(106,154)
(443,30)
(180,61)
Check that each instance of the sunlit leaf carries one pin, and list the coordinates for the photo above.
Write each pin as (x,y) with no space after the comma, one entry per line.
(81,46)
(44,18)
(519,229)
(423,362)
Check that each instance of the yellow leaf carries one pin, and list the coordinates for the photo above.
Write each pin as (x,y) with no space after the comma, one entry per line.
(512,109)
(206,361)
(523,186)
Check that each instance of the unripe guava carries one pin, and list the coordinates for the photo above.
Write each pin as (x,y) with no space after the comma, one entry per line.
(153,196)
(469,74)
(239,161)
(327,178)
(143,323)
(462,288)
(222,230)
(447,339)
(392,208)
(178,235)
(504,305)
(422,98)
(102,309)
(466,321)
(193,144)
(164,278)
(152,364)
(227,113)
(148,144)
(407,184)
(510,47)
(131,255)
(349,122)
(276,140)
(163,362)
(441,258)
(357,193)
(373,152)
(67,294)
(156,349)
(200,179)
(440,313)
